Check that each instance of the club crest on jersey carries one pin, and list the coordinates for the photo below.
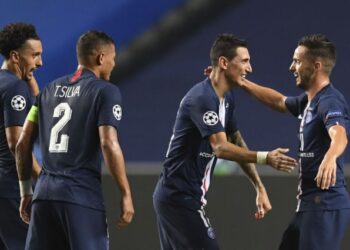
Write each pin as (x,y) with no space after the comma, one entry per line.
(308,117)
(18,103)
(117,112)
(210,118)
(211,233)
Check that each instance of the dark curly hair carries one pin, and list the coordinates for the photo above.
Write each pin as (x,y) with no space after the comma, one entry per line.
(14,35)
(225,45)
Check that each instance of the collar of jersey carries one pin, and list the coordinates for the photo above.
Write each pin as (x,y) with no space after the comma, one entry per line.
(207,81)
(86,73)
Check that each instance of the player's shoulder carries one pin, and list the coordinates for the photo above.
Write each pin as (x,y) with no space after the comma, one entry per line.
(12,85)
(105,87)
(332,95)
(201,92)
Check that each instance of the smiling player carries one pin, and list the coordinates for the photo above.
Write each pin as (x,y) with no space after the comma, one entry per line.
(323,209)
(206,129)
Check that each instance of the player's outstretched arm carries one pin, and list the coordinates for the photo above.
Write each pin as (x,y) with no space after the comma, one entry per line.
(327,171)
(267,96)
(228,151)
(262,200)
(24,162)
(114,160)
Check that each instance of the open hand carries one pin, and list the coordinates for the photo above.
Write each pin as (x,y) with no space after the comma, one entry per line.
(327,173)
(278,160)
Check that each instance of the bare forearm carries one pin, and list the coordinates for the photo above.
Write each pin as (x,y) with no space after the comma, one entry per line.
(248,168)
(337,146)
(267,96)
(114,160)
(24,160)
(231,152)
(33,86)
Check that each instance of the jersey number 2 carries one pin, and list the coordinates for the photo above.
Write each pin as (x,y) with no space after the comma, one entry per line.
(60,145)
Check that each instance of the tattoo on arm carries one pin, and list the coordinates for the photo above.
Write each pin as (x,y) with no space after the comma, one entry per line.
(248,168)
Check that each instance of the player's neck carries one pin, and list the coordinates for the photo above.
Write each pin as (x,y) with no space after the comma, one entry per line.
(14,69)
(92,69)
(218,81)
(317,84)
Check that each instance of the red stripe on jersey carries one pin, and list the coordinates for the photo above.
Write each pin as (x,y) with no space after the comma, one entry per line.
(76,75)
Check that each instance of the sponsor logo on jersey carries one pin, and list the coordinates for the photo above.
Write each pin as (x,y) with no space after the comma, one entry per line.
(307,155)
(18,103)
(210,118)
(206,155)
(333,114)
(117,112)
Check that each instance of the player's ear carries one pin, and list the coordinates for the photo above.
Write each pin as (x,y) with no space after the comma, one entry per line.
(318,65)
(222,62)
(100,58)
(14,56)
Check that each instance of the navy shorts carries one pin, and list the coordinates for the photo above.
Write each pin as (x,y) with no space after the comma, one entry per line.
(316,230)
(58,225)
(13,231)
(183,228)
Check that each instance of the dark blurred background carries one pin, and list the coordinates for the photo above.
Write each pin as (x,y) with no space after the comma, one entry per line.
(163,47)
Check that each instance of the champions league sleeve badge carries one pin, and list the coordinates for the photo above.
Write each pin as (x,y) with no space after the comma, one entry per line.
(210,118)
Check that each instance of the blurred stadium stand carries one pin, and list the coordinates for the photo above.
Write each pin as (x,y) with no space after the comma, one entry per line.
(163,47)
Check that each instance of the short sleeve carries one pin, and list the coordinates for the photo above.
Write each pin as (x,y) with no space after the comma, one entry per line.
(109,106)
(17,101)
(296,104)
(204,114)
(333,112)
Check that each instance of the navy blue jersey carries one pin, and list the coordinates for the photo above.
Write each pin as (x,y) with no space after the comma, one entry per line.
(15,103)
(190,160)
(71,109)
(325,110)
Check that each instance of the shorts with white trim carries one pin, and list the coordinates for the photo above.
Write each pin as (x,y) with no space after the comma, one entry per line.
(183,228)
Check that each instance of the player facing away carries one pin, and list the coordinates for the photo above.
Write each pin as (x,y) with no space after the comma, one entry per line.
(21,48)
(323,204)
(76,117)
(206,129)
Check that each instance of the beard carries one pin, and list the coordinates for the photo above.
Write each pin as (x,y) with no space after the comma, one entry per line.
(305,79)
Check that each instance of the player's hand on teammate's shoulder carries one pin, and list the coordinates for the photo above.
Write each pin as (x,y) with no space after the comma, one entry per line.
(278,160)
(207,70)
(25,208)
(127,211)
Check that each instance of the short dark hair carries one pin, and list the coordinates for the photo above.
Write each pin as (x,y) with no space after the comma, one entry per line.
(319,46)
(91,41)
(225,45)
(14,35)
